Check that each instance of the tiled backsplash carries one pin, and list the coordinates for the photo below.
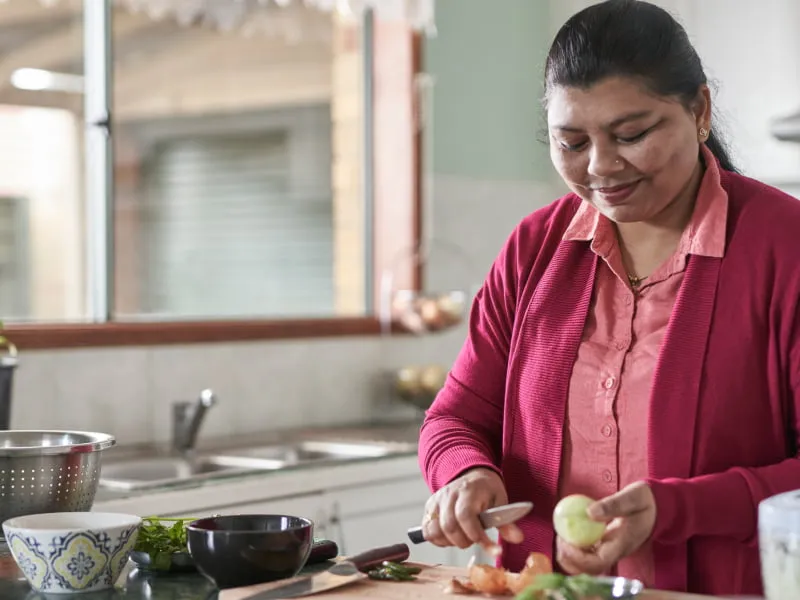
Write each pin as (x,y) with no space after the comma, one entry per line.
(264,385)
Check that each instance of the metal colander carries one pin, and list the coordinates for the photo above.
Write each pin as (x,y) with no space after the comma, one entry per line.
(49,471)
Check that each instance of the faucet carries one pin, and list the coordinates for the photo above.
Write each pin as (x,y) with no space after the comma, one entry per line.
(186,420)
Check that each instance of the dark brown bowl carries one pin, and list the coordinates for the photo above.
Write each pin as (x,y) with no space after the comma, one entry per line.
(238,550)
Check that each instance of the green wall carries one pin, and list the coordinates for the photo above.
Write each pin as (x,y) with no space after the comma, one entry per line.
(487,59)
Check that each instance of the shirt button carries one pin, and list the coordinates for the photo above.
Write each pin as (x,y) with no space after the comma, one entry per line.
(607,476)
(609,383)
(607,430)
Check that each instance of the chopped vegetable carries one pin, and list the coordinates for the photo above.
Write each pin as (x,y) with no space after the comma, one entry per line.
(392,571)
(560,587)
(160,538)
(456,586)
(488,579)
(586,585)
(536,581)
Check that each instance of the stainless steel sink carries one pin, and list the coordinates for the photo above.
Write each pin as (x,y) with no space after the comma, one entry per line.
(154,471)
(316,452)
(159,471)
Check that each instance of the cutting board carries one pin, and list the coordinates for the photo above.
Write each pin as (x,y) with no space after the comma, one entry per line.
(430,585)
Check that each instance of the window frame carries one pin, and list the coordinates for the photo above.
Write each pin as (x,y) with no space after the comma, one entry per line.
(389,40)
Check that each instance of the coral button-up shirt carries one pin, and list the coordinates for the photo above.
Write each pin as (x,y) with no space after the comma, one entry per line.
(605,442)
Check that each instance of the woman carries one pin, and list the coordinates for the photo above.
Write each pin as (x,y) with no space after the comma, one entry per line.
(638,340)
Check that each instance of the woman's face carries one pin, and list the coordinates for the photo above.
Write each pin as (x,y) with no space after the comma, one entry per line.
(626,151)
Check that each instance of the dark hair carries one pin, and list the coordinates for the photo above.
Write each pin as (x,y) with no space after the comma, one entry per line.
(630,38)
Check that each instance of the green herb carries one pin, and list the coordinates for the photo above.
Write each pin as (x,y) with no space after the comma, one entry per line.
(561,587)
(586,585)
(160,538)
(392,571)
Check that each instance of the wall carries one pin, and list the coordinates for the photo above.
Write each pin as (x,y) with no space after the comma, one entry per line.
(486,101)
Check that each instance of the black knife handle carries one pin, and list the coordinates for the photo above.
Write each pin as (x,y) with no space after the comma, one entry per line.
(321,551)
(415,535)
(375,557)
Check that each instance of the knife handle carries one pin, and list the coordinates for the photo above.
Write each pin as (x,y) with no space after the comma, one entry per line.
(375,557)
(321,551)
(415,535)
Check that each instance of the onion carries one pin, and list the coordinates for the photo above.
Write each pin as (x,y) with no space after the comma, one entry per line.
(488,579)
(450,308)
(456,586)
(535,565)
(430,313)
(432,378)
(538,563)
(407,381)
(491,580)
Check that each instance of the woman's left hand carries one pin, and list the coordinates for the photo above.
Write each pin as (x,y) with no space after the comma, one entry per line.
(631,516)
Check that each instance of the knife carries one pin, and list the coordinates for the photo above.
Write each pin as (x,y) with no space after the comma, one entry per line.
(494,517)
(342,573)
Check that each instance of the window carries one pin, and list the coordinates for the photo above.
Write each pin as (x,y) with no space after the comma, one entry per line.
(263,170)
(41,163)
(236,223)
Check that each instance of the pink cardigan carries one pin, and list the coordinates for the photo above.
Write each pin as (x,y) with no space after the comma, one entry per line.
(725,406)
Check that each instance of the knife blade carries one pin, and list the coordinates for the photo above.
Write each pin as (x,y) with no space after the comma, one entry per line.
(494,517)
(342,573)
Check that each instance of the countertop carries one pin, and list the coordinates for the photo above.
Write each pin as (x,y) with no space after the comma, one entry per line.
(138,585)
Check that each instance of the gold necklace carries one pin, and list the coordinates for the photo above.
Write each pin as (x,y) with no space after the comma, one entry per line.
(635,281)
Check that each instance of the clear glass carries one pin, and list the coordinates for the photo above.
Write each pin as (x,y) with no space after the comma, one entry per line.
(239,164)
(42,266)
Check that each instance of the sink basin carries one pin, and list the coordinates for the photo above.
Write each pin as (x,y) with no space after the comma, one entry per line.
(158,471)
(316,451)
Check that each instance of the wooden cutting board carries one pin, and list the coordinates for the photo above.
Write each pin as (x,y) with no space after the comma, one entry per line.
(430,585)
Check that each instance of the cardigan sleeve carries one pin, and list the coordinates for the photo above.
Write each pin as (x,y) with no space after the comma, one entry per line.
(462,429)
(726,504)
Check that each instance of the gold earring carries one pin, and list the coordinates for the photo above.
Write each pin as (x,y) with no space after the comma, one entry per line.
(703,132)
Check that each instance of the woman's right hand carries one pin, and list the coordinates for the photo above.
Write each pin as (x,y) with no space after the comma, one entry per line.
(451,514)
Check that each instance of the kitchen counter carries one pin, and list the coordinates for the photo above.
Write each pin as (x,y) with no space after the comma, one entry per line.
(139,585)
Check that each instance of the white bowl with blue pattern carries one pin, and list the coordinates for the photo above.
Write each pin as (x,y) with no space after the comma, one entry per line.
(72,552)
